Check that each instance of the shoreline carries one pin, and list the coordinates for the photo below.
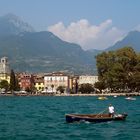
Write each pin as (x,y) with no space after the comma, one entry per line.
(78,94)
(105,94)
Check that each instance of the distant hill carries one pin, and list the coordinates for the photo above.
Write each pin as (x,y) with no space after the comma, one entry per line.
(132,40)
(40,51)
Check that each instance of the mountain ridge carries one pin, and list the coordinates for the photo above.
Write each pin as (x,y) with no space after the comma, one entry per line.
(43,51)
(132,39)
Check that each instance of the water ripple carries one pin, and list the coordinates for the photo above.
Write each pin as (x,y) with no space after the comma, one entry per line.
(41,118)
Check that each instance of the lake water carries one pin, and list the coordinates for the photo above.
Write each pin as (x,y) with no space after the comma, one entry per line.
(43,118)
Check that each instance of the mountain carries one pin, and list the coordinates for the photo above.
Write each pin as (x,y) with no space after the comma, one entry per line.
(132,40)
(43,51)
(32,51)
(11,24)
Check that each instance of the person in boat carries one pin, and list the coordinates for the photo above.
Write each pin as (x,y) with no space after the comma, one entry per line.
(111,110)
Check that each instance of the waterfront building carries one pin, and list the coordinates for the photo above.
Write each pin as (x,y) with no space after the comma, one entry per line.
(87,79)
(4,69)
(54,80)
(26,81)
(73,84)
(39,83)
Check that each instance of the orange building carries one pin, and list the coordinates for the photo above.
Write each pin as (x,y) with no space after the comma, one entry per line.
(26,81)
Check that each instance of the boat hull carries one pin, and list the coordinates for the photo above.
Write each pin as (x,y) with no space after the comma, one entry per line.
(94,118)
(102,98)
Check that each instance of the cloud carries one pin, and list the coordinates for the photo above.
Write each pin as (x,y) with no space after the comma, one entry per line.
(88,36)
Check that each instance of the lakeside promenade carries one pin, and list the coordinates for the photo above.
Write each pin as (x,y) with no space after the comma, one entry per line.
(78,94)
(104,94)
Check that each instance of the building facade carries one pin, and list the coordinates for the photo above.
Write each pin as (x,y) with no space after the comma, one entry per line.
(26,81)
(87,79)
(39,83)
(73,80)
(54,80)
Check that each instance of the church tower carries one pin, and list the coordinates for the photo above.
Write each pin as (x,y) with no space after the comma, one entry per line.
(4,65)
(4,69)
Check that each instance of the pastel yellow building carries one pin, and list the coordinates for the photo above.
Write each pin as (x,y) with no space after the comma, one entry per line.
(39,83)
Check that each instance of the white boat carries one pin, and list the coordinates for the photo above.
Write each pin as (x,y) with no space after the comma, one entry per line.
(130,98)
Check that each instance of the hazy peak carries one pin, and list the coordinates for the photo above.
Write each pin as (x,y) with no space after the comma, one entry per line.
(14,24)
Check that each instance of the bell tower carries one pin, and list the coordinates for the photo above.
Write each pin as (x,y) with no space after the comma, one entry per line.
(4,65)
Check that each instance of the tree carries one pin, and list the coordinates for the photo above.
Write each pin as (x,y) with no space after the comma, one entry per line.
(116,69)
(100,86)
(86,88)
(4,85)
(17,84)
(13,82)
(61,89)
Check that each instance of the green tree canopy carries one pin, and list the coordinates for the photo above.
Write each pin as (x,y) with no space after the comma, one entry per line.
(118,69)
(4,85)
(86,88)
(14,85)
(100,86)
(61,89)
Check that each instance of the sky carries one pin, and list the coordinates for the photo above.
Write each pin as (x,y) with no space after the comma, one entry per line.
(93,24)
